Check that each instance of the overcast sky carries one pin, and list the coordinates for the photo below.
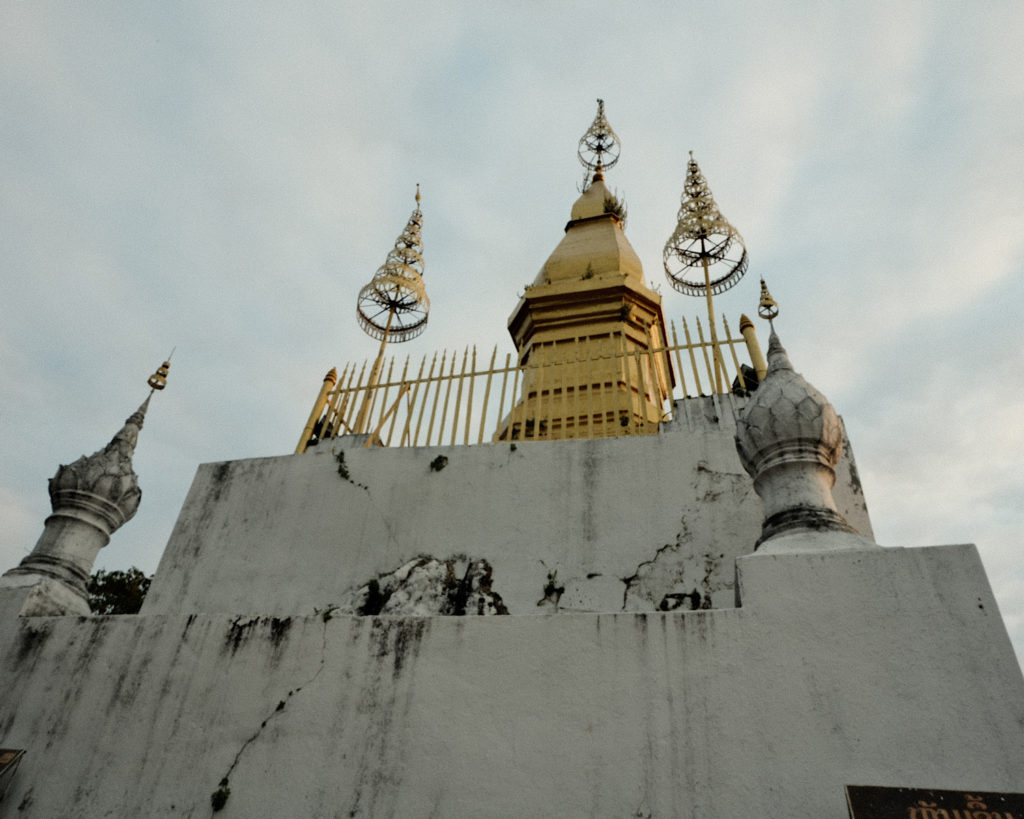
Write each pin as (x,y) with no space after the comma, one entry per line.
(223,178)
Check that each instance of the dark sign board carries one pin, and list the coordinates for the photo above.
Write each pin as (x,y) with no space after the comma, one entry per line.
(871,802)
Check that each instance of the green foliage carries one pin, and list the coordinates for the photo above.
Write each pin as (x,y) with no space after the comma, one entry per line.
(616,206)
(118,592)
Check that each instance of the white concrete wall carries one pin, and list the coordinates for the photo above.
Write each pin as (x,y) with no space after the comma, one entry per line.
(623,521)
(889,667)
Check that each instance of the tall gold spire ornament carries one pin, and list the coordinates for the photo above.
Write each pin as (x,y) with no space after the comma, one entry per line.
(394,305)
(599,147)
(705,255)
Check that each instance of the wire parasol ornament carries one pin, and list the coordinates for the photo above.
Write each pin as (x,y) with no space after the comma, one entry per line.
(394,305)
(599,147)
(705,253)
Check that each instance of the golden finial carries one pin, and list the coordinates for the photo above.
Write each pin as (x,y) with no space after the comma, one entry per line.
(767,308)
(158,380)
(705,253)
(394,305)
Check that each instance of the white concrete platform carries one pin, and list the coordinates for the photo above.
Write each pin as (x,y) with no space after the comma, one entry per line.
(888,667)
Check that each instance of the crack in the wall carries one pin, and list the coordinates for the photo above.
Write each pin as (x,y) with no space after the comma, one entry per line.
(635,577)
(219,797)
(680,575)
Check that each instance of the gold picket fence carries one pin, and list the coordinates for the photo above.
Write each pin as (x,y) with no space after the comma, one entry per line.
(449,398)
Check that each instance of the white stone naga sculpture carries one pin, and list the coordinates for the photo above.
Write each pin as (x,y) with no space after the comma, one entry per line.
(91,499)
(789,439)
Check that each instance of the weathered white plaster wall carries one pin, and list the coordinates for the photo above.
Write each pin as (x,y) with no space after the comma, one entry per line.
(888,667)
(623,521)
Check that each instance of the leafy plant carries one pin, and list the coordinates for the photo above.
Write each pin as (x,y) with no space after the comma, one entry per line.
(118,592)
(617,207)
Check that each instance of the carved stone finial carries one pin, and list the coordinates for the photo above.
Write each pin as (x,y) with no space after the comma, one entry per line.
(91,499)
(103,484)
(789,440)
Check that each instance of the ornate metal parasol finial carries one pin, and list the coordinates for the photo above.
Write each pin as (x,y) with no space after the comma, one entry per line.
(703,239)
(394,305)
(599,147)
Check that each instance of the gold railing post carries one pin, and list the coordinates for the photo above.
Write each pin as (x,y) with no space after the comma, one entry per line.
(753,347)
(318,407)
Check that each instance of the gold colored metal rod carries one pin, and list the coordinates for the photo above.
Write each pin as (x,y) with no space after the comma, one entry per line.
(753,348)
(501,401)
(381,395)
(520,370)
(626,391)
(656,399)
(426,397)
(707,361)
(318,407)
(374,375)
(487,395)
(352,393)
(447,397)
(437,393)
(716,353)
(641,394)
(407,431)
(693,357)
(590,402)
(469,398)
(676,346)
(403,390)
(375,435)
(335,401)
(731,344)
(457,411)
(537,405)
(577,399)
